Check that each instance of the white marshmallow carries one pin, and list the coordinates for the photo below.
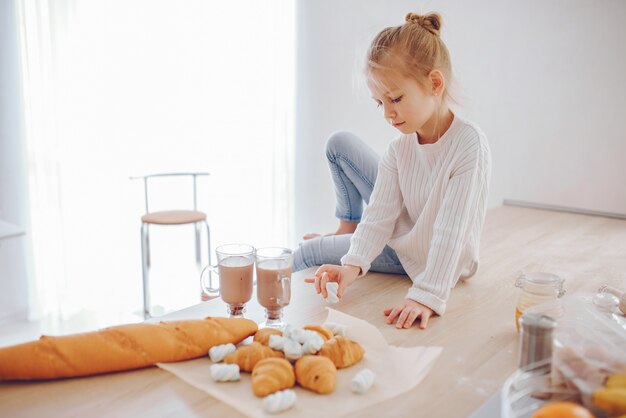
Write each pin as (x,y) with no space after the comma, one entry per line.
(362,381)
(313,343)
(337,329)
(279,401)
(218,352)
(292,350)
(277,342)
(225,372)
(295,334)
(332,298)
(331,290)
(288,330)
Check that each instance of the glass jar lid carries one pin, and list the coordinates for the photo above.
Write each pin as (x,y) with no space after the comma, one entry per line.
(541,283)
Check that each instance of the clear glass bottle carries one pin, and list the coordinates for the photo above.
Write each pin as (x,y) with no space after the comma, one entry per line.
(537,288)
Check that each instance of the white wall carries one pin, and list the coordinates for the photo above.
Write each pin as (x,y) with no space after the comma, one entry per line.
(13,272)
(544,80)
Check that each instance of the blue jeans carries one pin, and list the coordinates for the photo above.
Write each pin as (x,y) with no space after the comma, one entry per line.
(353,168)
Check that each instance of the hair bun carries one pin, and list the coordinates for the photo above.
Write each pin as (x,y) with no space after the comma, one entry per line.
(431,22)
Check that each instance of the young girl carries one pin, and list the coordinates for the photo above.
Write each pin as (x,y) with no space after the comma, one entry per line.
(426,197)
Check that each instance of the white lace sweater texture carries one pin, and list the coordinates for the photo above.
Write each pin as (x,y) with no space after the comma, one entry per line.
(428,204)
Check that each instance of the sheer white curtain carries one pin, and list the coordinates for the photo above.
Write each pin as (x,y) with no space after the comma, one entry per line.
(120,88)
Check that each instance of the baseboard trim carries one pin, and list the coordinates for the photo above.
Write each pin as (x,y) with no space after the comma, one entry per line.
(511,202)
(12,317)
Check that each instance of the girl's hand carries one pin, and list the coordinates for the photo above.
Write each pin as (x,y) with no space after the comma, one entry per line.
(343,275)
(407,312)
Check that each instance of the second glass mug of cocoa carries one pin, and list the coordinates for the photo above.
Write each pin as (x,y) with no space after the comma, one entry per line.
(273,283)
(235,268)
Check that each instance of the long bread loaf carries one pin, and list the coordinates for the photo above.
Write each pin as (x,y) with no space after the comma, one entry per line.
(123,347)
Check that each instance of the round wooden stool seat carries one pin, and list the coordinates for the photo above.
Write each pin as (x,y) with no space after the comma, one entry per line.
(173,217)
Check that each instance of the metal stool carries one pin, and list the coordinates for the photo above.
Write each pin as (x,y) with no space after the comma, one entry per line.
(169,217)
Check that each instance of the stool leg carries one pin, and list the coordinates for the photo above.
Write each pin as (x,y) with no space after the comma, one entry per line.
(204,296)
(145,267)
(198,255)
(147,235)
(208,240)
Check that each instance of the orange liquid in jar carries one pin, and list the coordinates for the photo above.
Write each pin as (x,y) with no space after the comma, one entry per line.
(518,313)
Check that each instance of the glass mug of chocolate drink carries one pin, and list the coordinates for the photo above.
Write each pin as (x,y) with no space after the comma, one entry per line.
(235,269)
(273,283)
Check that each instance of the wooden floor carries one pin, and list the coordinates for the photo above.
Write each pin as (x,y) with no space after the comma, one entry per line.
(587,251)
(477,332)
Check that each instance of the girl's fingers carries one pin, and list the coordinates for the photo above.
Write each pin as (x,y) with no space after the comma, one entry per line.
(324,274)
(386,312)
(403,317)
(324,268)
(412,317)
(424,321)
(392,315)
(322,284)
(341,287)
(319,274)
(314,280)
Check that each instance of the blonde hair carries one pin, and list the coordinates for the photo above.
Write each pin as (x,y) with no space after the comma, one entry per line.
(413,49)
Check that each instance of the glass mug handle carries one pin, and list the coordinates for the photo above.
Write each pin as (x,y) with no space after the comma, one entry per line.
(207,285)
(285,285)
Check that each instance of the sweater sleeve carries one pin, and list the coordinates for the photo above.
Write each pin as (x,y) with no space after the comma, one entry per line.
(465,193)
(379,217)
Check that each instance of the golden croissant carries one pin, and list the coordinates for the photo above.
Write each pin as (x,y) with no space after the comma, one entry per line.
(326,333)
(123,347)
(263,335)
(271,375)
(248,356)
(342,351)
(316,373)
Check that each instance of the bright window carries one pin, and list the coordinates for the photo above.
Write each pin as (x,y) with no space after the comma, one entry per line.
(121,88)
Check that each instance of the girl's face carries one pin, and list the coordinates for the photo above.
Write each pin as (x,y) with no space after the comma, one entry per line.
(406,104)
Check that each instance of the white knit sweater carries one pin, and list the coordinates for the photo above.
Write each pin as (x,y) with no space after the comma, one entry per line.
(428,204)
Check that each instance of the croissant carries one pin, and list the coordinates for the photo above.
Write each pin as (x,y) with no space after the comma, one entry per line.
(271,375)
(316,373)
(263,335)
(342,351)
(321,330)
(118,348)
(248,356)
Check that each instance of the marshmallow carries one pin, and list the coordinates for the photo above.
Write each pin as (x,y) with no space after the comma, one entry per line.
(362,381)
(225,372)
(331,289)
(313,344)
(337,329)
(292,350)
(218,352)
(279,401)
(295,334)
(277,342)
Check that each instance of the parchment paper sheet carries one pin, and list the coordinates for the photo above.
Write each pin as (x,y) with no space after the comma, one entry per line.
(397,369)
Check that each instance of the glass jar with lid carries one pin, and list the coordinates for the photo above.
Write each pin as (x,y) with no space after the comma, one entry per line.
(537,288)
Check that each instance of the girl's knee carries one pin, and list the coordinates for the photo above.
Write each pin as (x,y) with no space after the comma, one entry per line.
(304,256)
(341,142)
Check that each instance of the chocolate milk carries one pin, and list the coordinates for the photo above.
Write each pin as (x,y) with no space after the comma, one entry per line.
(236,279)
(269,287)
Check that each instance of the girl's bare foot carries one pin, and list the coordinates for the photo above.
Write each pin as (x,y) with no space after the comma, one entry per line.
(345,227)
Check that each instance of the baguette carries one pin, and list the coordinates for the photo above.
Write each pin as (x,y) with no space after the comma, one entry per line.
(123,347)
